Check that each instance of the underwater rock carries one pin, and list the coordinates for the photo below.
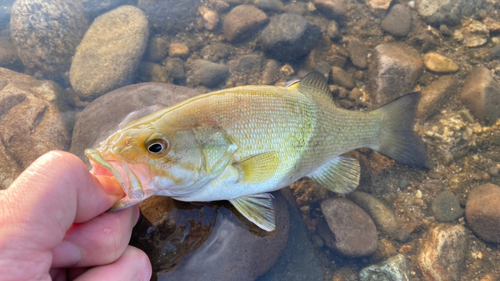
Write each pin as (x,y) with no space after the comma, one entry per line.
(152,72)
(442,253)
(355,233)
(103,116)
(283,40)
(271,72)
(216,52)
(273,6)
(207,73)
(481,95)
(109,53)
(94,8)
(398,21)
(178,50)
(393,72)
(8,52)
(395,268)
(174,68)
(169,15)
(33,120)
(210,17)
(439,63)
(332,8)
(333,30)
(387,222)
(475,34)
(385,250)
(46,33)
(358,53)
(436,95)
(378,4)
(248,65)
(233,252)
(446,207)
(157,49)
(243,19)
(342,78)
(440,11)
(483,212)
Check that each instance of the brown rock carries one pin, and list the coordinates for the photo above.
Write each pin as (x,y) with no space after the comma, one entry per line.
(342,78)
(332,8)
(398,21)
(271,72)
(358,52)
(178,50)
(483,212)
(439,63)
(435,96)
(242,19)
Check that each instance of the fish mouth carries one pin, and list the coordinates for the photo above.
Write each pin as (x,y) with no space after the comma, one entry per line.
(123,173)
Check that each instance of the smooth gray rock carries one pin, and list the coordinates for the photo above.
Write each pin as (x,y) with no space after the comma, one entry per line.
(207,73)
(273,6)
(169,15)
(446,207)
(332,8)
(243,20)
(440,11)
(398,21)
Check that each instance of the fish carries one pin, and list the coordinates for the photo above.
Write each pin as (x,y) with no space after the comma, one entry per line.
(242,143)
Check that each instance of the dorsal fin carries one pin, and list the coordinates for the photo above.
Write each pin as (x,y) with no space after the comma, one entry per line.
(315,82)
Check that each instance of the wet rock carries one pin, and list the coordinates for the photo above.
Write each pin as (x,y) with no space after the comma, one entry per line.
(283,40)
(394,268)
(94,8)
(494,53)
(157,49)
(332,8)
(109,54)
(59,24)
(273,6)
(481,95)
(216,52)
(249,64)
(440,11)
(475,34)
(169,229)
(102,117)
(8,52)
(439,63)
(271,72)
(178,50)
(152,72)
(174,68)
(385,250)
(398,21)
(232,252)
(169,15)
(435,96)
(446,207)
(491,24)
(207,73)
(342,78)
(387,222)
(358,52)
(355,233)
(483,212)
(298,8)
(393,72)
(243,19)
(378,4)
(333,30)
(345,274)
(442,253)
(33,120)
(210,17)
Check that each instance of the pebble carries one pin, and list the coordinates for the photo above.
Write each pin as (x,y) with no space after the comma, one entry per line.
(271,72)
(249,64)
(355,233)
(378,4)
(157,49)
(441,11)
(273,6)
(243,19)
(483,212)
(333,30)
(442,253)
(475,34)
(439,63)
(395,268)
(216,52)
(109,54)
(387,222)
(175,68)
(332,8)
(481,95)
(207,73)
(210,17)
(395,69)
(358,53)
(282,40)
(446,207)
(169,15)
(398,21)
(178,50)
(342,78)
(298,8)
(59,24)
(436,95)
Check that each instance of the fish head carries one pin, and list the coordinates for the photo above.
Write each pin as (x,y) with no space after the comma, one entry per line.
(147,161)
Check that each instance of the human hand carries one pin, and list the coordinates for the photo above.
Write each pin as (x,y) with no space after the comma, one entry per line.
(52,217)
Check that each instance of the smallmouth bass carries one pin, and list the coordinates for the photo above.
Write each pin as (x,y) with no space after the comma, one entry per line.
(239,144)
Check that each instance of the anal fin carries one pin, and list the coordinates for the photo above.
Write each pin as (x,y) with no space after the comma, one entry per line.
(340,175)
(257,208)
(258,168)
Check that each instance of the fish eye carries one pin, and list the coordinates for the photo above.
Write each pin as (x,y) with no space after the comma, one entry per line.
(157,146)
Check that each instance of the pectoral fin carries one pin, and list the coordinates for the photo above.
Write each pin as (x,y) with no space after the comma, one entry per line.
(258,209)
(340,175)
(257,168)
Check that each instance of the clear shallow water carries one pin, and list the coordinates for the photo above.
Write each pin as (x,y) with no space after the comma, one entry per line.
(371,53)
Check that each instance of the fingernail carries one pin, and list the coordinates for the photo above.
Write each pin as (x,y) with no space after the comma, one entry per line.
(65,254)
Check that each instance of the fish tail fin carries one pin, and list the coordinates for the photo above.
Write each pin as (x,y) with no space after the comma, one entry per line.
(397,138)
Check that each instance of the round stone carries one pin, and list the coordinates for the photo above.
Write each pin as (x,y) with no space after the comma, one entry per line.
(483,212)
(439,63)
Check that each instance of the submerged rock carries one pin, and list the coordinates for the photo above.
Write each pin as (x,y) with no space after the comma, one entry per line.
(395,268)
(446,207)
(398,21)
(483,212)
(169,15)
(207,73)
(439,63)
(436,95)
(441,11)
(332,8)
(243,19)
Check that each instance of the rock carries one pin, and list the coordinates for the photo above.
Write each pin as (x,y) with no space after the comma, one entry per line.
(248,64)
(475,34)
(175,68)
(210,17)
(157,49)
(243,19)
(483,212)
(232,252)
(216,52)
(332,8)
(387,223)
(398,21)
(333,30)
(94,8)
(439,63)
(169,229)
(358,52)
(273,6)
(102,117)
(169,15)
(491,24)
(283,40)
(435,96)
(109,54)
(446,207)
(494,53)
(34,119)
(345,274)
(481,95)
(394,268)
(385,250)
(355,233)
(440,11)
(46,33)
(271,72)
(378,4)
(298,8)
(8,52)
(178,50)
(394,70)
(207,73)
(342,78)
(152,72)
(442,253)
